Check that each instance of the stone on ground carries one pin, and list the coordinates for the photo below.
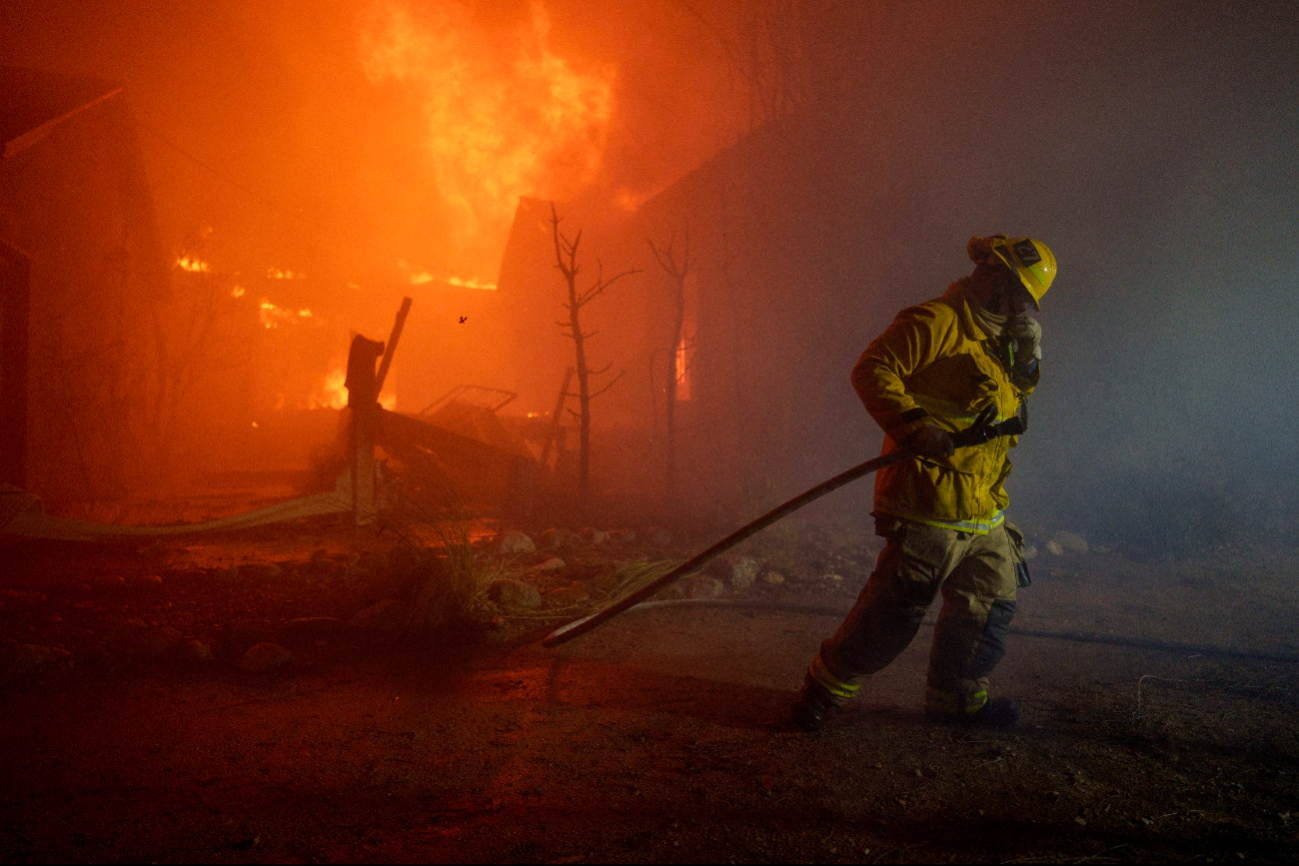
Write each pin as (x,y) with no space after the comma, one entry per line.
(514,594)
(567,596)
(515,542)
(1069,542)
(591,535)
(24,659)
(774,578)
(154,644)
(552,564)
(699,586)
(381,616)
(264,657)
(196,652)
(744,572)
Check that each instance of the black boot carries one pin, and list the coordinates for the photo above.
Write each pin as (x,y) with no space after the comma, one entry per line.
(996,713)
(813,705)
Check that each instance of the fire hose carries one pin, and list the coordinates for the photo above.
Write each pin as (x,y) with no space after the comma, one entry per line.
(982,430)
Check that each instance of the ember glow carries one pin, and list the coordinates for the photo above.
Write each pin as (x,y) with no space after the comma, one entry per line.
(273,316)
(332,394)
(193,265)
(505,115)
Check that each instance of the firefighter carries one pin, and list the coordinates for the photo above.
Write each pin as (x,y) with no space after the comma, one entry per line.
(941,511)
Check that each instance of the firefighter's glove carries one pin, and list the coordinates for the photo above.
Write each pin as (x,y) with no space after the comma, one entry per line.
(931,441)
(1027,334)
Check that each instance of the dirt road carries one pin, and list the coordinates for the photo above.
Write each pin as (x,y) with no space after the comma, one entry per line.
(661,738)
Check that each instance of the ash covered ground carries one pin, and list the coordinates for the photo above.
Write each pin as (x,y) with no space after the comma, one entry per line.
(296,694)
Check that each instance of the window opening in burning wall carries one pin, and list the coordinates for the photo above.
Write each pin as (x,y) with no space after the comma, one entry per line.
(685,358)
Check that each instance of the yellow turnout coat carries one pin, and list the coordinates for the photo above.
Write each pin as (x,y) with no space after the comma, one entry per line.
(934,365)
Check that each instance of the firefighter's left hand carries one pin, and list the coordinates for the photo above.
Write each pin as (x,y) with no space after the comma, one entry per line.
(1027,334)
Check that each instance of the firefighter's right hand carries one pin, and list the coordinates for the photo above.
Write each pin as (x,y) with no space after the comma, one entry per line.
(931,441)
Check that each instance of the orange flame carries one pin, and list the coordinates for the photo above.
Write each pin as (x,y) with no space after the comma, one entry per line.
(505,117)
(332,394)
(193,265)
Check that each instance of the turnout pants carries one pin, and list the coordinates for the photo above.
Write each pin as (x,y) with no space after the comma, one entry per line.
(977,577)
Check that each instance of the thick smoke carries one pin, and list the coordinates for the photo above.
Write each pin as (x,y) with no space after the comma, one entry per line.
(1151,145)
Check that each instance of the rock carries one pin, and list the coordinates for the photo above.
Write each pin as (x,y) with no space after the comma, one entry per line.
(196,652)
(567,596)
(122,636)
(260,571)
(699,586)
(775,578)
(514,594)
(263,657)
(553,539)
(25,598)
(591,535)
(1053,548)
(657,536)
(833,579)
(1069,542)
(744,573)
(552,564)
(24,659)
(515,542)
(381,616)
(243,633)
(306,628)
(154,644)
(721,566)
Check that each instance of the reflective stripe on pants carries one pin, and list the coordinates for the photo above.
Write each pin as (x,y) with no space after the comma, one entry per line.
(976,575)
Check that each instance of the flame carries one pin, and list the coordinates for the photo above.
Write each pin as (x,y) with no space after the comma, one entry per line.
(420,278)
(277,274)
(333,395)
(471,284)
(237,291)
(193,265)
(506,116)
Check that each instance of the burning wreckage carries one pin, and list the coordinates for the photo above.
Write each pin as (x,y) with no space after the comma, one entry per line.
(455,454)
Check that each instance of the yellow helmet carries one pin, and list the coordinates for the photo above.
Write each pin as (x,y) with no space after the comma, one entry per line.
(1030,259)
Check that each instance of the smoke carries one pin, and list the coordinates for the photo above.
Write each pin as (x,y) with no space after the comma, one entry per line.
(368,144)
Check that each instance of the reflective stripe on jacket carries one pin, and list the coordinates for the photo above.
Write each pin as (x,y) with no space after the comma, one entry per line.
(934,365)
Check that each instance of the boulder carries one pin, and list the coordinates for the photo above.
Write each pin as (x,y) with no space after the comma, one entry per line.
(552,539)
(744,572)
(591,535)
(196,652)
(567,596)
(656,536)
(514,594)
(385,615)
(306,628)
(264,657)
(154,644)
(25,659)
(260,570)
(700,586)
(1069,542)
(512,543)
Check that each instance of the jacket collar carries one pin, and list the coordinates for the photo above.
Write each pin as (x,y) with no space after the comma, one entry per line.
(955,298)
